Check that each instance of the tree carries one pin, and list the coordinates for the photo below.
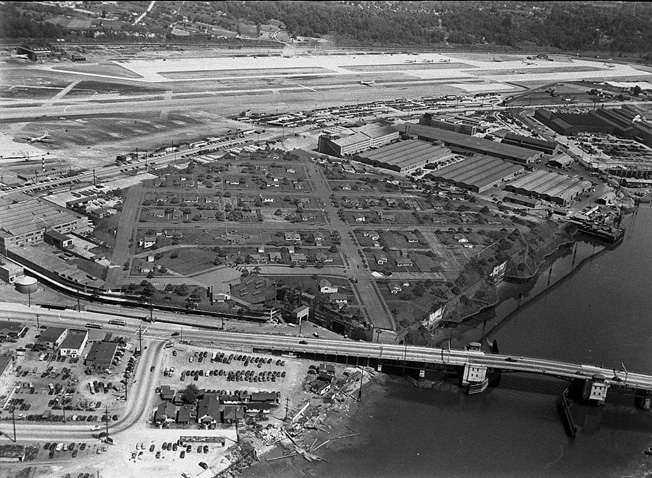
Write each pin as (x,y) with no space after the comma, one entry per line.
(189,394)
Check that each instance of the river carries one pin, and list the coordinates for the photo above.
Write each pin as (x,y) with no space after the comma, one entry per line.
(599,314)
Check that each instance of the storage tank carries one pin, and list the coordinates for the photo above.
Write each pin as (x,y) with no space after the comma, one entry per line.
(26,285)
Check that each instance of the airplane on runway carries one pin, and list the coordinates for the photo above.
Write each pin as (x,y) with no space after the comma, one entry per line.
(44,138)
(368,83)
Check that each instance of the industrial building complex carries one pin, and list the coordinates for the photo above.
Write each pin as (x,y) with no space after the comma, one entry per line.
(27,221)
(625,122)
(553,187)
(462,143)
(404,156)
(342,143)
(477,173)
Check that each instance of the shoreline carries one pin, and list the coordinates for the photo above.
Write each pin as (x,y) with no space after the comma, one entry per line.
(333,431)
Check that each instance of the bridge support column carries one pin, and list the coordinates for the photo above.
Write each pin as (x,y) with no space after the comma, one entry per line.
(475,378)
(595,391)
(642,399)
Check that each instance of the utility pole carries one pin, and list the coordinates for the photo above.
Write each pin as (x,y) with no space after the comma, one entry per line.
(78,304)
(107,420)
(140,339)
(361,380)
(287,407)
(13,419)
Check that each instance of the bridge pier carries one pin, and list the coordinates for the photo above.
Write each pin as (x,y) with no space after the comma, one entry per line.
(475,378)
(642,399)
(592,391)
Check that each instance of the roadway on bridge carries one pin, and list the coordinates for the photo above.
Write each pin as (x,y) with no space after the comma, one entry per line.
(401,353)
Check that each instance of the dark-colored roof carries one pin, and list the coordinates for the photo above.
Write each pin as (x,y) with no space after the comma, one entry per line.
(469,142)
(209,406)
(101,354)
(51,335)
(74,339)
(5,360)
(530,141)
(263,397)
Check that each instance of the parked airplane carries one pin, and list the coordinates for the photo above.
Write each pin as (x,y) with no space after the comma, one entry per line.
(44,138)
(368,83)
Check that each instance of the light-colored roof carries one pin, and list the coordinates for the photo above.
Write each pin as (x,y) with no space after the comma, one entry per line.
(31,216)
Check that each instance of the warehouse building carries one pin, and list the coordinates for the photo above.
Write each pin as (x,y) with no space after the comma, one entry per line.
(52,337)
(34,53)
(101,355)
(546,147)
(569,124)
(556,188)
(455,123)
(626,122)
(364,138)
(74,343)
(404,156)
(477,173)
(462,143)
(26,222)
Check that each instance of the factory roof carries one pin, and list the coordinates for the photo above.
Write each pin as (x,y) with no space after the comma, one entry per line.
(364,133)
(479,171)
(526,140)
(406,153)
(31,216)
(484,146)
(549,185)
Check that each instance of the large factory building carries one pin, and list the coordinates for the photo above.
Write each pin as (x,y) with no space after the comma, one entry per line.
(553,187)
(362,139)
(462,143)
(404,156)
(26,222)
(477,173)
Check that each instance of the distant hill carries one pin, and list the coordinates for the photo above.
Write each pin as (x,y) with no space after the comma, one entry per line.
(568,26)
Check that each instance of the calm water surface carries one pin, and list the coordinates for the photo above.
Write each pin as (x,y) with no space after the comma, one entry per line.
(601,314)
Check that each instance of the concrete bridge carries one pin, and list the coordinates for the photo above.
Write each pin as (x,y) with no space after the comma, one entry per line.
(474,364)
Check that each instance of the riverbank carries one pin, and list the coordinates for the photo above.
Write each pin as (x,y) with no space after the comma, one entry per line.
(315,428)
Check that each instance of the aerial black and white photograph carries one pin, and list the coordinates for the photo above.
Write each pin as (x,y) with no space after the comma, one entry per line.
(329,239)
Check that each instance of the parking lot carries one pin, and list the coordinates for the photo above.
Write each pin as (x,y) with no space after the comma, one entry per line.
(48,387)
(215,369)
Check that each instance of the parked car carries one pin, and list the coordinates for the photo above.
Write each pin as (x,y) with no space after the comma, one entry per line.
(182,454)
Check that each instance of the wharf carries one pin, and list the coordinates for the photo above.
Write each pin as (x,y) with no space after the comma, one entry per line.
(608,233)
